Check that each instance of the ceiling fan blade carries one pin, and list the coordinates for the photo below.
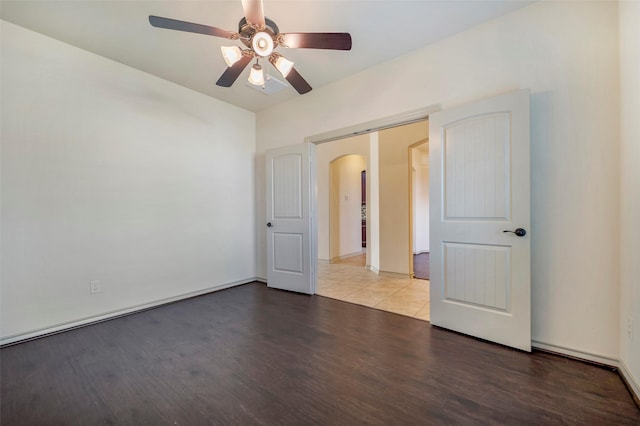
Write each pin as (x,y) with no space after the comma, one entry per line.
(232,73)
(298,83)
(334,41)
(174,24)
(254,12)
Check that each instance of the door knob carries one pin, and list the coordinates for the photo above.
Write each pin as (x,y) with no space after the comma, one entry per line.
(269,225)
(519,232)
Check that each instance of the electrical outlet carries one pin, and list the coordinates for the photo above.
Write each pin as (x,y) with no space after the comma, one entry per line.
(94,287)
(630,328)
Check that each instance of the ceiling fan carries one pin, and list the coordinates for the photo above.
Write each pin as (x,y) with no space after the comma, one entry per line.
(261,36)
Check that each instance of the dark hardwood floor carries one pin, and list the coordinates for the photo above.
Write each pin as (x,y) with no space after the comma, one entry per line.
(253,355)
(421,266)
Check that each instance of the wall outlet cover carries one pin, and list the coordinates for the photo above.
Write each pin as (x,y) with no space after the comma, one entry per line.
(94,287)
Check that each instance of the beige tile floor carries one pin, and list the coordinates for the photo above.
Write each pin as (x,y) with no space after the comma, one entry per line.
(349,281)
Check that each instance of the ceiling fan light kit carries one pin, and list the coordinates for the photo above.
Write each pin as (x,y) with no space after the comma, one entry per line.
(231,54)
(256,76)
(261,36)
(281,63)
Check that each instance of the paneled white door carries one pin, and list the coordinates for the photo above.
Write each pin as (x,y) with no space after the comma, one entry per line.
(290,250)
(479,188)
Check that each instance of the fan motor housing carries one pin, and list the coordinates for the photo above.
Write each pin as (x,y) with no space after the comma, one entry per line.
(246,30)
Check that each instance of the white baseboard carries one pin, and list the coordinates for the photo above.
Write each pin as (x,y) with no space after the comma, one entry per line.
(421,251)
(632,382)
(386,273)
(58,328)
(373,269)
(346,256)
(576,353)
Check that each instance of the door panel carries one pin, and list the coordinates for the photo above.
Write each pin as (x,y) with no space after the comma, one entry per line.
(287,186)
(288,252)
(476,169)
(479,185)
(290,258)
(477,275)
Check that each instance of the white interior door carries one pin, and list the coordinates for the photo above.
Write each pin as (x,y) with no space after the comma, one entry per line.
(479,184)
(290,251)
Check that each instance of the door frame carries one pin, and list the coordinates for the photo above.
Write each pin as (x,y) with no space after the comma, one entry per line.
(412,201)
(401,119)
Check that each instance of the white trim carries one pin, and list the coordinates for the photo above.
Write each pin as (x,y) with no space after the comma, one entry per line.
(346,256)
(32,334)
(421,251)
(619,365)
(373,269)
(631,381)
(576,353)
(396,275)
(401,119)
(313,231)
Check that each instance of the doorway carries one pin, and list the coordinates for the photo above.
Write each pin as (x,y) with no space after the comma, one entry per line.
(381,277)
(345,207)
(471,224)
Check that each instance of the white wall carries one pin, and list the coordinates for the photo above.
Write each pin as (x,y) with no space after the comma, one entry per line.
(567,54)
(111,174)
(420,187)
(345,199)
(629,15)
(325,153)
(393,163)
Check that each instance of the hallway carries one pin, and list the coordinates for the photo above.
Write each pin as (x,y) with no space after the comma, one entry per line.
(349,281)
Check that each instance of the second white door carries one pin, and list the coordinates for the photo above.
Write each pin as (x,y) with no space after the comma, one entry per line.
(289,231)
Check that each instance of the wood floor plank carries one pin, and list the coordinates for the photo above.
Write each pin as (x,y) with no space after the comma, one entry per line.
(253,355)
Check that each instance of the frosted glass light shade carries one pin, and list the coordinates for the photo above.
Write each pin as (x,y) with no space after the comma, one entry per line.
(231,54)
(256,77)
(262,44)
(283,65)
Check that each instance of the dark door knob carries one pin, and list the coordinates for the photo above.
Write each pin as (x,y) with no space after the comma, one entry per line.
(519,232)
(269,225)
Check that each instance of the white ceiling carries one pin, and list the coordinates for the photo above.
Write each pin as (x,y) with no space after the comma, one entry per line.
(119,30)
